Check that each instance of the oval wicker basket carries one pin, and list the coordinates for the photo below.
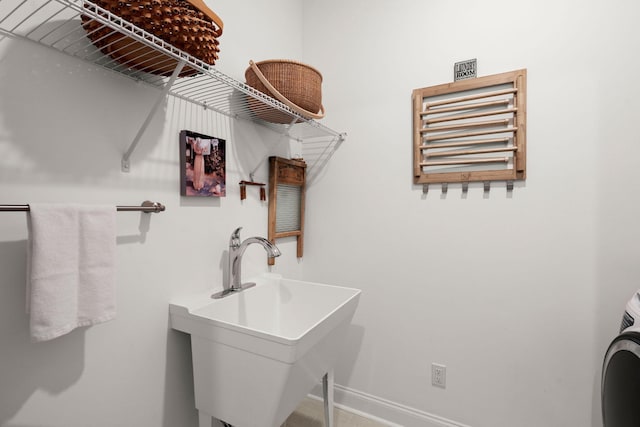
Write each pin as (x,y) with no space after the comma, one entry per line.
(188,25)
(297,85)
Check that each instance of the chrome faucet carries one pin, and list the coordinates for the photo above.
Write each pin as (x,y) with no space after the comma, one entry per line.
(236,250)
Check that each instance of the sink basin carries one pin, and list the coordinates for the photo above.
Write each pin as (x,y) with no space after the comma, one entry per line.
(259,352)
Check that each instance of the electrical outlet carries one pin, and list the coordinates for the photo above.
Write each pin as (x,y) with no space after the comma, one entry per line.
(438,375)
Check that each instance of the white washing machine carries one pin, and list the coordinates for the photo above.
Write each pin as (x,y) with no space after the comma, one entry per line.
(621,372)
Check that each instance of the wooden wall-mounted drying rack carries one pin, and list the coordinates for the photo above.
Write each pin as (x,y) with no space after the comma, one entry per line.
(471,131)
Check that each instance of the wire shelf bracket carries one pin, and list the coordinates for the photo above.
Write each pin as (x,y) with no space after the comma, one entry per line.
(126,166)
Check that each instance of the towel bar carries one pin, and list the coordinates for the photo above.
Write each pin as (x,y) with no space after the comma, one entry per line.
(146,206)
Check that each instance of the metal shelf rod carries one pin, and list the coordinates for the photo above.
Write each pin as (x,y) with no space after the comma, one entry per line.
(147,207)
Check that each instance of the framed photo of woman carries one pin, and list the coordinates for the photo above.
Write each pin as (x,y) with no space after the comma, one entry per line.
(202,165)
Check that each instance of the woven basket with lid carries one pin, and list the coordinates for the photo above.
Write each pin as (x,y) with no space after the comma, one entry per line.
(188,25)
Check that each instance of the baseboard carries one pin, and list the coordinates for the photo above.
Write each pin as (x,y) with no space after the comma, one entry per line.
(384,411)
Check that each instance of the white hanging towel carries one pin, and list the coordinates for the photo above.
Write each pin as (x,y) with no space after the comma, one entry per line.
(70,268)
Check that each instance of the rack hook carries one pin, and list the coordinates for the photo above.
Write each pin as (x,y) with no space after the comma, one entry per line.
(243,189)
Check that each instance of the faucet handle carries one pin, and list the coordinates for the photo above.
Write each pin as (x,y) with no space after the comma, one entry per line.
(234,241)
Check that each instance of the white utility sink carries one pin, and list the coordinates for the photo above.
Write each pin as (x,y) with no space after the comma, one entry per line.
(257,353)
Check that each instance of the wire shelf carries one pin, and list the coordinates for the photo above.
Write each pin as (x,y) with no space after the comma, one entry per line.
(57,24)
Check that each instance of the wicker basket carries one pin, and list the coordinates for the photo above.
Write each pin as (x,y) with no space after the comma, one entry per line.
(296,85)
(188,25)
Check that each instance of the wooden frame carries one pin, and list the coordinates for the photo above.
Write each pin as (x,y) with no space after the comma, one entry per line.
(460,127)
(287,179)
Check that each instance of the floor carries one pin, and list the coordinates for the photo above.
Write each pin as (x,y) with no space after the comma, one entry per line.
(310,413)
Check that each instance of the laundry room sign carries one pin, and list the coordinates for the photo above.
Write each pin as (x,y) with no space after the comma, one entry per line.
(465,69)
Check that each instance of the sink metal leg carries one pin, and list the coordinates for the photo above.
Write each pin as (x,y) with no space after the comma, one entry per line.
(327,394)
(204,419)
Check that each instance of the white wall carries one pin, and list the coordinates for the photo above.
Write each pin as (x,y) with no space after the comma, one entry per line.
(517,294)
(63,129)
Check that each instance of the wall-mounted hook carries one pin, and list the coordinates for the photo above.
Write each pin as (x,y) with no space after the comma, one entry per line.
(445,187)
(509,185)
(465,187)
(487,186)
(243,189)
(425,188)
